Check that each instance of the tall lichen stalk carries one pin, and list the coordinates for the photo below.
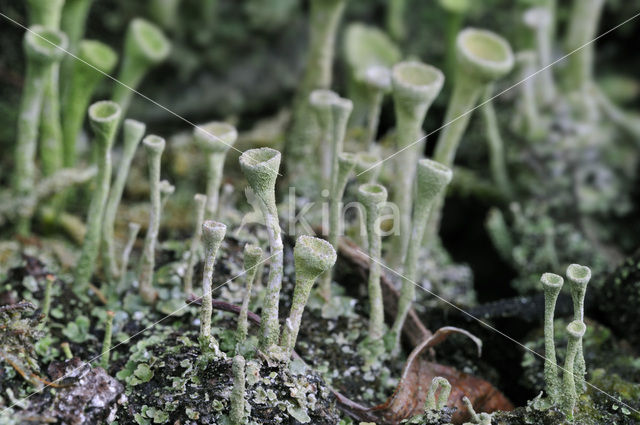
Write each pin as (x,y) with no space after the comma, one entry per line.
(260,167)
(213,233)
(42,49)
(432,178)
(200,201)
(47,13)
(414,87)
(252,255)
(324,18)
(372,196)
(73,23)
(482,57)
(154,146)
(133,132)
(552,284)
(104,117)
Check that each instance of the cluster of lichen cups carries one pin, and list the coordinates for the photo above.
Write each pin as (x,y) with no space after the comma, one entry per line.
(564,392)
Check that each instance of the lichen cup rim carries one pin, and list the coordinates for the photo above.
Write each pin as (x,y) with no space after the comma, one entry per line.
(214,229)
(552,280)
(417,79)
(150,39)
(154,142)
(98,54)
(485,53)
(262,158)
(535,17)
(378,76)
(97,111)
(322,98)
(314,255)
(578,273)
(576,329)
(347,158)
(436,168)
(216,136)
(45,43)
(372,192)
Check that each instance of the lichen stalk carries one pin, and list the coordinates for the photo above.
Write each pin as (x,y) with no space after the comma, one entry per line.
(237,400)
(551,284)
(579,277)
(260,167)
(340,111)
(313,256)
(215,139)
(324,18)
(81,82)
(481,57)
(66,350)
(104,117)
(252,255)
(320,103)
(377,80)
(41,50)
(456,12)
(367,167)
(73,23)
(200,201)
(372,195)
(432,178)
(133,132)
(106,342)
(134,228)
(154,146)
(46,302)
(442,388)
(583,25)
(527,103)
(497,163)
(346,164)
(145,46)
(47,13)
(166,190)
(395,19)
(575,331)
(541,21)
(414,87)
(212,235)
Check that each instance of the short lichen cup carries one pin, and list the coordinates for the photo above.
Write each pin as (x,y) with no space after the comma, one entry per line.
(313,257)
(579,277)
(213,234)
(483,55)
(575,332)
(215,139)
(414,87)
(145,46)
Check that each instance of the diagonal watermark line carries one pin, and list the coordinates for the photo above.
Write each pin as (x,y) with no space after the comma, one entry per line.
(147,98)
(610,30)
(488,326)
(131,337)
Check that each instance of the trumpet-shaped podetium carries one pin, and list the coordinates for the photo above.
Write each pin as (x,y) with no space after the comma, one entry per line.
(346,164)
(95,59)
(415,86)
(43,48)
(212,236)
(133,132)
(583,25)
(540,20)
(260,167)
(252,255)
(481,57)
(372,195)
(145,46)
(367,169)
(575,331)
(215,139)
(456,11)
(104,117)
(551,284)
(579,277)
(432,178)
(313,256)
(47,13)
(154,146)
(323,21)
(370,54)
(201,202)
(320,102)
